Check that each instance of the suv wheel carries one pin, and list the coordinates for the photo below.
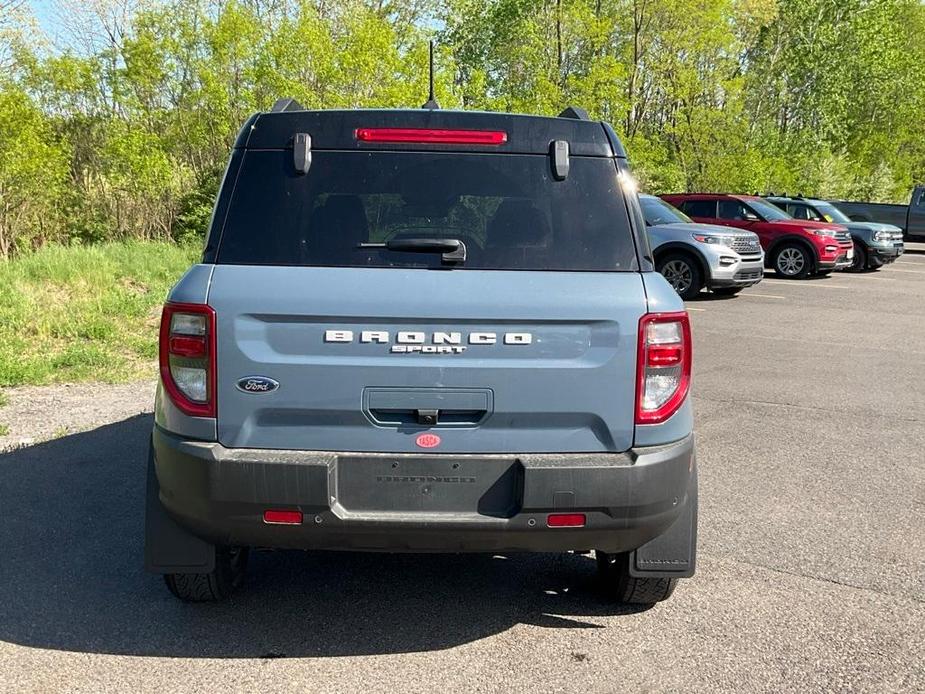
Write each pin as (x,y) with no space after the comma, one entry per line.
(682,273)
(230,565)
(859,261)
(793,261)
(613,570)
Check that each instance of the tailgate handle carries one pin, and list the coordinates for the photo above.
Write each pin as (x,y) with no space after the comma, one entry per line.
(427,407)
(427,418)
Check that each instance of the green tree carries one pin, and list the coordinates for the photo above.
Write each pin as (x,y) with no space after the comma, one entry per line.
(126,132)
(32,166)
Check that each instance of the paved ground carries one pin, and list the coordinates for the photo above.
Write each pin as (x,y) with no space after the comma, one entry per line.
(810,401)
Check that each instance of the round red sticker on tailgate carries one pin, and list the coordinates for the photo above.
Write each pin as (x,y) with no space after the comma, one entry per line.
(428,441)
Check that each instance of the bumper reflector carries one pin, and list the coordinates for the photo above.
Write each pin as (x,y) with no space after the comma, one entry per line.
(565,520)
(280,517)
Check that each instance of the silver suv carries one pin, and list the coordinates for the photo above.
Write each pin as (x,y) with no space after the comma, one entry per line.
(692,256)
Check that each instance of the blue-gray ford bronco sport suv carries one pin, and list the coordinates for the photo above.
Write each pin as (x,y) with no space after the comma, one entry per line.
(424,331)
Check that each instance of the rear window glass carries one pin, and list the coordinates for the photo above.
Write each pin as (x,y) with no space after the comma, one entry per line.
(507,209)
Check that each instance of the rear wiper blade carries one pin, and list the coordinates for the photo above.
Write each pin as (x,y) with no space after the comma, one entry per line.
(453,250)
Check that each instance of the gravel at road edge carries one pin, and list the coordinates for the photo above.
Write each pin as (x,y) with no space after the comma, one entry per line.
(39,413)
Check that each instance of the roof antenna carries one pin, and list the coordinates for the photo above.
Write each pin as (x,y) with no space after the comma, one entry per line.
(431,101)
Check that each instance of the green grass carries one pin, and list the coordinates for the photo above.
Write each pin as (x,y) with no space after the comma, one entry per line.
(85,313)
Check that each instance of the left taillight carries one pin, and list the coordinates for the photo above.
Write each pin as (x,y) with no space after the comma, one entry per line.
(663,367)
(187,357)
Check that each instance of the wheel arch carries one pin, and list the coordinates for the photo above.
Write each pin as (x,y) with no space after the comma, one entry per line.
(687,249)
(860,240)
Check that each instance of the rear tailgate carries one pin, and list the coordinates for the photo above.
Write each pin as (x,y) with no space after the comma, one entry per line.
(527,344)
(512,361)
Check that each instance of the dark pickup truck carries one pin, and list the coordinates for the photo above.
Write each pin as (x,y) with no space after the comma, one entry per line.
(910,218)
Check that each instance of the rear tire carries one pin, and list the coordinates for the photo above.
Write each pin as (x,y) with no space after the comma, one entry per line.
(859,261)
(613,571)
(727,291)
(682,272)
(218,584)
(793,261)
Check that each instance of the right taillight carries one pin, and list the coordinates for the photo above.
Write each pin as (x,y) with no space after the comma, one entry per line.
(663,367)
(187,357)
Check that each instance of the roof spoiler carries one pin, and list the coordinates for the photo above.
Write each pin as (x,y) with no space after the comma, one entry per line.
(575,112)
(282,105)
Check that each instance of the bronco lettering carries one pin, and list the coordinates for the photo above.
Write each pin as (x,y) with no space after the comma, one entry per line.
(416,342)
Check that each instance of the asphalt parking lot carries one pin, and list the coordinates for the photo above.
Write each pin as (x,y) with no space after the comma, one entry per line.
(810,405)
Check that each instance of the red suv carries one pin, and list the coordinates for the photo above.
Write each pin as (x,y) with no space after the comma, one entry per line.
(793,247)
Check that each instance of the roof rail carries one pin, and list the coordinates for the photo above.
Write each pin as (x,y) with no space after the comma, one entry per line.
(575,112)
(281,105)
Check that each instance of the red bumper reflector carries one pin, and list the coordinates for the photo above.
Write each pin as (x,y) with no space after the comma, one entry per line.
(279,517)
(565,520)
(432,136)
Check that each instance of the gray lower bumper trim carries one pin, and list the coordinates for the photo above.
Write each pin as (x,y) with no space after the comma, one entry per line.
(352,501)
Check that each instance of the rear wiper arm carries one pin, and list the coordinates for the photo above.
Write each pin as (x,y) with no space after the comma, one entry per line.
(453,250)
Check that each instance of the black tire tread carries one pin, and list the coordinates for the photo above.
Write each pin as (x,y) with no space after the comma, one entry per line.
(647,591)
(860,254)
(613,570)
(214,586)
(194,587)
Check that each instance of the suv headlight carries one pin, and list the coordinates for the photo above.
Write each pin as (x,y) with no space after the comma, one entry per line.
(821,232)
(883,236)
(713,238)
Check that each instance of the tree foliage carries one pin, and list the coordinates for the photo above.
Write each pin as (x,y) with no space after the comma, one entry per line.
(123,130)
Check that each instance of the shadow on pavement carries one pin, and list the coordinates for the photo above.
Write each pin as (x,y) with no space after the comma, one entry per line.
(71,576)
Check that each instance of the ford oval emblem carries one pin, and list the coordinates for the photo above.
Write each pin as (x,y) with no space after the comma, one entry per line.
(257,384)
(428,441)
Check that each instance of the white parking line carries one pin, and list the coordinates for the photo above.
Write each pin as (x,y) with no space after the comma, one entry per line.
(691,308)
(910,262)
(813,285)
(763,296)
(911,272)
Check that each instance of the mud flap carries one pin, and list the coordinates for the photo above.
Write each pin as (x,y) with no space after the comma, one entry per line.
(168,547)
(672,554)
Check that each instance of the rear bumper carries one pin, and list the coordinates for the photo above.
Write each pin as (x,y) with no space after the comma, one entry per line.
(629,499)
